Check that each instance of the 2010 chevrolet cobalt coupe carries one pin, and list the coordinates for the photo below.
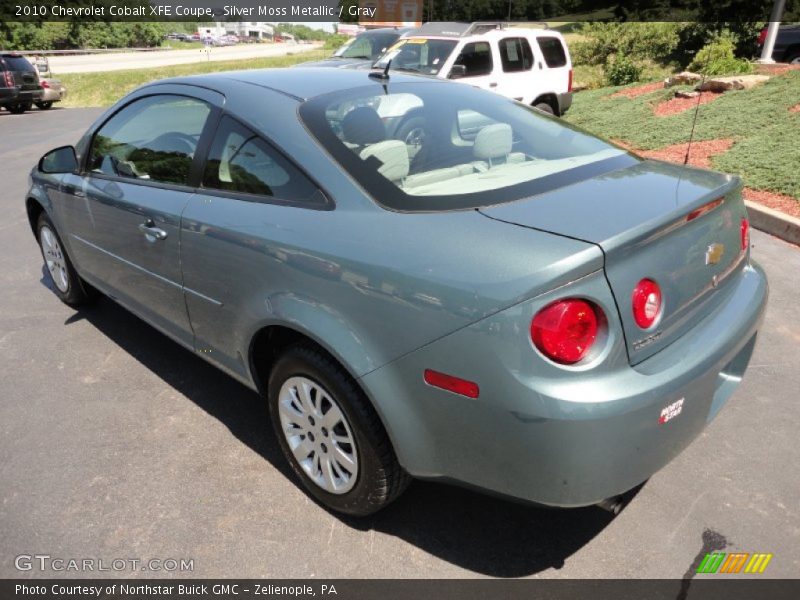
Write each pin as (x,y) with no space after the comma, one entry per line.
(423,279)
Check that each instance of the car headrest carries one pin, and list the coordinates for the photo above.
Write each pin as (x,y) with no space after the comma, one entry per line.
(493,141)
(393,156)
(362,126)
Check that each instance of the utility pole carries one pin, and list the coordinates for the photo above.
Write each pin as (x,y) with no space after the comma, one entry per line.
(772,32)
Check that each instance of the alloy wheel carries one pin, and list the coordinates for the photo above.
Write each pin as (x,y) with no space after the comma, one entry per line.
(54,258)
(318,434)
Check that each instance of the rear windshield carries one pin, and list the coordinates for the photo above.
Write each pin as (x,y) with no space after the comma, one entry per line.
(366,45)
(17,63)
(434,146)
(418,55)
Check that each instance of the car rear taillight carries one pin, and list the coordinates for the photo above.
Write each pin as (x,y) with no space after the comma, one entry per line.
(762,37)
(646,303)
(565,331)
(569,81)
(744,230)
(8,79)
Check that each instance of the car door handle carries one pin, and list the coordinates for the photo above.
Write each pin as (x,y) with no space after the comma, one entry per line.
(150,230)
(493,84)
(73,191)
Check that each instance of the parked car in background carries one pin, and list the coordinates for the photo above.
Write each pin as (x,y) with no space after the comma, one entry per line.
(363,49)
(19,83)
(52,89)
(532,66)
(522,307)
(787,43)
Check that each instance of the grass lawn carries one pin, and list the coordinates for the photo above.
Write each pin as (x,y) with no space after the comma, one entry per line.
(105,88)
(766,152)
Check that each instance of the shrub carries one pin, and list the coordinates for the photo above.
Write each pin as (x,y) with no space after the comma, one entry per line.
(638,41)
(718,58)
(621,70)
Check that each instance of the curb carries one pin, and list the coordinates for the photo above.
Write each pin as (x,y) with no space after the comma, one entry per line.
(773,222)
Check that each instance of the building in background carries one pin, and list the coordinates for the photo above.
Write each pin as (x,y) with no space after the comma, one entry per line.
(393,13)
(250,29)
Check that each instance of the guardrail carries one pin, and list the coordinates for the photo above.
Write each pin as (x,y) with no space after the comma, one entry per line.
(78,51)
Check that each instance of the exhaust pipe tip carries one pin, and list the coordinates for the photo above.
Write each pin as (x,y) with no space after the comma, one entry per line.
(613,505)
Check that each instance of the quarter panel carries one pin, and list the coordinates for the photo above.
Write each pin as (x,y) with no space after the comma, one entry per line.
(369,285)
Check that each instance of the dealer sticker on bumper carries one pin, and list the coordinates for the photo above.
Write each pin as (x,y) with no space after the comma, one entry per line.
(671,411)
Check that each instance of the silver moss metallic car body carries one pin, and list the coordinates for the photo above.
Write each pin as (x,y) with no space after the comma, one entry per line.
(391,293)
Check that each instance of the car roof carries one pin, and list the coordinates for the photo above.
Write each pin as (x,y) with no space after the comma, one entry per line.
(300,83)
(397,30)
(477,30)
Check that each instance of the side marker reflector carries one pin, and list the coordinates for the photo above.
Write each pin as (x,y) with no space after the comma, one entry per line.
(452,384)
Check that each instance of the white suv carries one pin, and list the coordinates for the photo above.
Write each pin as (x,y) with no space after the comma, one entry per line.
(529,65)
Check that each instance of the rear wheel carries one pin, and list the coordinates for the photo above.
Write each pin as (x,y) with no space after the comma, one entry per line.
(794,59)
(44,105)
(545,107)
(18,109)
(67,285)
(331,435)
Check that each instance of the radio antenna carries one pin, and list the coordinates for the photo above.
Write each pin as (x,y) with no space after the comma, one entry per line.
(696,110)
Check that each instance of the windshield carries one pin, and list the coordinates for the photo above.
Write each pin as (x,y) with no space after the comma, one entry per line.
(366,45)
(436,146)
(420,55)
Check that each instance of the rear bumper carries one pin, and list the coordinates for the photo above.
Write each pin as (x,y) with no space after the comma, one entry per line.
(576,438)
(564,102)
(53,95)
(17,96)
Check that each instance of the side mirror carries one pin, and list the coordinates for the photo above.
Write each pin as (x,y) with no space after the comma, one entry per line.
(457,72)
(59,160)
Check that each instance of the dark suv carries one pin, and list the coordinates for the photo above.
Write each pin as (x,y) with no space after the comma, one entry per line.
(787,44)
(19,83)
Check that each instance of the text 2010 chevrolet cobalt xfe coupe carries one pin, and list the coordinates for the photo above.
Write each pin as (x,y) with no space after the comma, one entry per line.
(499,299)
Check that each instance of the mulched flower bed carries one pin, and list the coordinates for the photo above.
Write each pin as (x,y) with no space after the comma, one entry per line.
(700,156)
(780,202)
(678,105)
(641,90)
(776,69)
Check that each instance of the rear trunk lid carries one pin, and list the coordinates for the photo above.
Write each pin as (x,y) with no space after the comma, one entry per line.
(678,226)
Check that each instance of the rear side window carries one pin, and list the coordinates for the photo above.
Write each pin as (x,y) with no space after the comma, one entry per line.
(242,162)
(152,139)
(18,63)
(477,58)
(553,51)
(515,54)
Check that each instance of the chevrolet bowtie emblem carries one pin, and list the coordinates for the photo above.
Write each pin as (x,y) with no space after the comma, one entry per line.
(714,253)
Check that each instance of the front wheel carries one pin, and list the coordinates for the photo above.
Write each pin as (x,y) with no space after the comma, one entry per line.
(67,285)
(331,435)
(545,107)
(44,105)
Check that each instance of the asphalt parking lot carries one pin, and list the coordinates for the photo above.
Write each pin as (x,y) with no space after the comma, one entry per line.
(118,443)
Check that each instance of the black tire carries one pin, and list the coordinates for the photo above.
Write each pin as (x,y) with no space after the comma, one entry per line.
(545,107)
(794,59)
(16,109)
(380,478)
(44,105)
(77,291)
